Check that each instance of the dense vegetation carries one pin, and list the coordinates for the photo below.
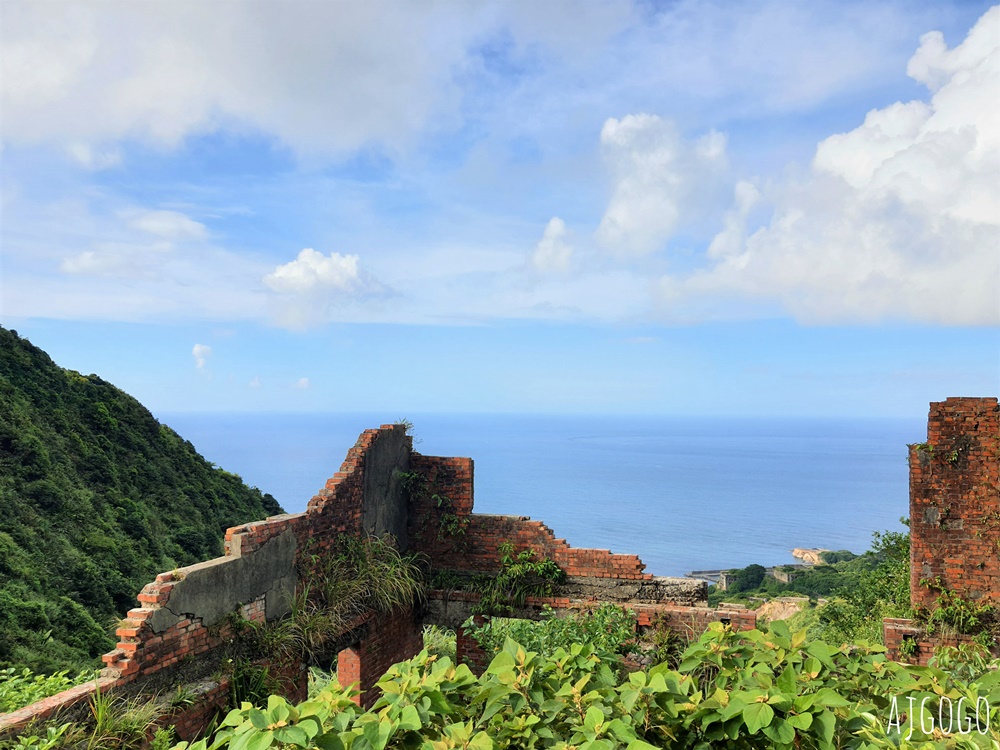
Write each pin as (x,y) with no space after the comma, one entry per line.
(753,689)
(862,590)
(96,497)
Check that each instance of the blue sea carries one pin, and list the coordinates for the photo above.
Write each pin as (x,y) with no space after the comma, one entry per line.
(683,493)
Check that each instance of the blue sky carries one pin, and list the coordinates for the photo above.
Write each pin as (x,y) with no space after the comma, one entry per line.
(611,207)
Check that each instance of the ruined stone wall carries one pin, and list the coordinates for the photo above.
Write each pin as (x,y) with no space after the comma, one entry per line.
(954,518)
(182,624)
(179,632)
(955,503)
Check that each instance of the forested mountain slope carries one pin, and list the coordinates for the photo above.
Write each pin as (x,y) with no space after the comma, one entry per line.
(96,497)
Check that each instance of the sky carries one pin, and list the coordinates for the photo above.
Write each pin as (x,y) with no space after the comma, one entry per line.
(621,206)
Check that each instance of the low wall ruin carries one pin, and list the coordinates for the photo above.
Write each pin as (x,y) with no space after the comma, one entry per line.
(180,631)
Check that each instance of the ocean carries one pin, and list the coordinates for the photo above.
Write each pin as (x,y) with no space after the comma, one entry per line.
(683,493)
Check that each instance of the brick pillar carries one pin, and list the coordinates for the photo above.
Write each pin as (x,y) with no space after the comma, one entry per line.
(349,668)
(955,502)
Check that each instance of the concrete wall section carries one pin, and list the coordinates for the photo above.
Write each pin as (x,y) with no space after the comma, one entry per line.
(384,508)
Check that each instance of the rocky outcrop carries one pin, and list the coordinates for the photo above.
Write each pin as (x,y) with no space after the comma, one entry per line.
(809,556)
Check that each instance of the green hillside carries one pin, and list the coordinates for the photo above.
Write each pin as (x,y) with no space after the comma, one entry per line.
(96,497)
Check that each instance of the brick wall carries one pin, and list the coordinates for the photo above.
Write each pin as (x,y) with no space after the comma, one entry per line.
(897,630)
(394,637)
(145,652)
(468,651)
(157,638)
(954,518)
(473,545)
(955,502)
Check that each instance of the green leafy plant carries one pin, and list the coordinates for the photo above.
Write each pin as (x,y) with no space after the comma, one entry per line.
(610,630)
(736,690)
(439,641)
(356,576)
(21,687)
(521,575)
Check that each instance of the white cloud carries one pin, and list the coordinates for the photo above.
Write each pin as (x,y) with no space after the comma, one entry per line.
(553,253)
(255,382)
(171,225)
(897,219)
(315,288)
(201,353)
(301,384)
(312,270)
(321,77)
(658,178)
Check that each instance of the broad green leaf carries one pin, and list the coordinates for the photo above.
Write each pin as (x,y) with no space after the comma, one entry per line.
(293,735)
(640,745)
(259,719)
(780,731)
(830,698)
(481,741)
(378,733)
(409,720)
(827,723)
(502,662)
(756,716)
(252,740)
(593,718)
(800,721)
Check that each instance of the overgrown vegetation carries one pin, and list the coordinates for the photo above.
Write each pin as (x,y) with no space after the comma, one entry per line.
(355,576)
(953,614)
(115,723)
(439,641)
(752,689)
(97,497)
(862,590)
(21,687)
(521,575)
(610,630)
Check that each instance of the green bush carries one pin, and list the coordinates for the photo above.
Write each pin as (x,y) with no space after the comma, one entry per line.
(608,629)
(19,688)
(745,690)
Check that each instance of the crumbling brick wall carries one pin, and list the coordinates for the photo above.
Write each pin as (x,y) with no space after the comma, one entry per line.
(183,617)
(955,503)
(443,526)
(954,518)
(396,637)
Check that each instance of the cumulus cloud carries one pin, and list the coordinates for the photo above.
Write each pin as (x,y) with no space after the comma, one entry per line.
(314,287)
(658,178)
(255,382)
(897,219)
(201,353)
(553,252)
(301,384)
(312,270)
